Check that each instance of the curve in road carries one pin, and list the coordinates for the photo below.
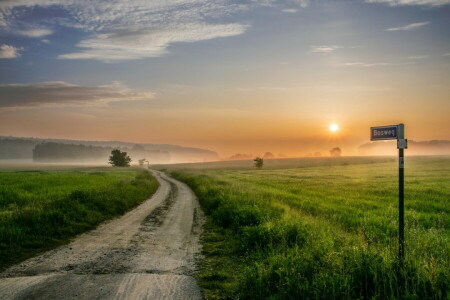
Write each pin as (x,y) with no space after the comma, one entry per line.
(149,253)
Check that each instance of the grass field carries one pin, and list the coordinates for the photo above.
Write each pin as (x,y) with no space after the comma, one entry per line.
(42,209)
(322,228)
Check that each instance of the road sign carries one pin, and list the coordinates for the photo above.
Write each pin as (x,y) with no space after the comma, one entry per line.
(384,133)
(396,132)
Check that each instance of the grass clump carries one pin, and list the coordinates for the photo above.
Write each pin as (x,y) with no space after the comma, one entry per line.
(41,210)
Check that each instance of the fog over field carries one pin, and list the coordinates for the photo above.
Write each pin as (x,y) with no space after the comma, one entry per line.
(23,151)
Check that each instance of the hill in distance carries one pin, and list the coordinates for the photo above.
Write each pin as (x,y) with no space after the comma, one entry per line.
(64,150)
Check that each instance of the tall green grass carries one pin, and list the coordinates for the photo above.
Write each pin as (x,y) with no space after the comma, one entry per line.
(42,209)
(324,232)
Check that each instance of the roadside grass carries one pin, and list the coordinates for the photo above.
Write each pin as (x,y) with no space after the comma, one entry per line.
(42,209)
(327,231)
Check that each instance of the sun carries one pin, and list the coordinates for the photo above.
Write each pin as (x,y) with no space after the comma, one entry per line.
(334,127)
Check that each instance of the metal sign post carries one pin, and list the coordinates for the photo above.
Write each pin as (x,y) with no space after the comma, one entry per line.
(396,132)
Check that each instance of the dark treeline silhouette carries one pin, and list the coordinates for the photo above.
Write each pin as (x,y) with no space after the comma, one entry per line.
(152,156)
(16,149)
(59,152)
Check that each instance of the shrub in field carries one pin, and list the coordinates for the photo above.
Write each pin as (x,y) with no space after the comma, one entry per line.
(259,162)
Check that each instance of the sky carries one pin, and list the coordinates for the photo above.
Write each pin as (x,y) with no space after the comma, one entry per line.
(230,76)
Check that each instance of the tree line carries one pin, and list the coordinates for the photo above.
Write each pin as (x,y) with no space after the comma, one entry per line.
(59,152)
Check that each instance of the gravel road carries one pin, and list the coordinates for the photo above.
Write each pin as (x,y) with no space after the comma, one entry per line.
(149,253)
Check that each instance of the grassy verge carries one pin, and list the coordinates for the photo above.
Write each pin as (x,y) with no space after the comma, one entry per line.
(43,209)
(324,231)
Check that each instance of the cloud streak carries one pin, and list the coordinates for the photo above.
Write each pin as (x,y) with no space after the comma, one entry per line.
(409,26)
(62,93)
(148,42)
(325,49)
(35,33)
(292,3)
(366,65)
(417,57)
(290,10)
(411,2)
(7,51)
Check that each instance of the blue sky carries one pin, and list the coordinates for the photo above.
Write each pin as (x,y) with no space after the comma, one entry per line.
(228,75)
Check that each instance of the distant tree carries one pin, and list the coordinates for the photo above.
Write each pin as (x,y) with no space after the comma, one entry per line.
(259,162)
(336,152)
(119,159)
(141,162)
(269,155)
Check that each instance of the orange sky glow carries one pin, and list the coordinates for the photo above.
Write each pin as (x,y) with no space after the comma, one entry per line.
(248,78)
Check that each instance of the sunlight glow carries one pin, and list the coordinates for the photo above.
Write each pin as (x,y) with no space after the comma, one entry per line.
(334,127)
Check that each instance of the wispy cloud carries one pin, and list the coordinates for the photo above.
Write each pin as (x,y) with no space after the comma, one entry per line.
(301,3)
(124,30)
(2,20)
(148,42)
(409,26)
(366,65)
(411,2)
(292,3)
(63,93)
(325,49)
(417,57)
(290,10)
(35,33)
(7,51)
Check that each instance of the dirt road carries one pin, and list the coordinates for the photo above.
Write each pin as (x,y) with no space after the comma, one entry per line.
(149,253)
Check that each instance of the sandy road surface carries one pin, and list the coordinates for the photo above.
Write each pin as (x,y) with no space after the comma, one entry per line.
(149,253)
